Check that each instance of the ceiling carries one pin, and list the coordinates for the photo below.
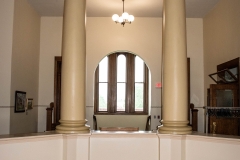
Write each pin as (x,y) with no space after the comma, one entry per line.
(138,8)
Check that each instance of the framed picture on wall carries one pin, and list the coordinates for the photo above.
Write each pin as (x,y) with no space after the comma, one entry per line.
(29,103)
(20,101)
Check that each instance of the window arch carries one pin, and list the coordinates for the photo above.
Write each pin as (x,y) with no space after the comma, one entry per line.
(121,85)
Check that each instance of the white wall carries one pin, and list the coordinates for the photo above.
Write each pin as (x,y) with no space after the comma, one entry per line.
(221,28)
(19,61)
(29,148)
(221,37)
(128,146)
(42,118)
(198,147)
(6,27)
(25,53)
(212,148)
(25,64)
(119,146)
(6,33)
(143,37)
(195,53)
(50,46)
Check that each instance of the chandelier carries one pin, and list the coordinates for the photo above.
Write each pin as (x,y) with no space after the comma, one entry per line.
(125,18)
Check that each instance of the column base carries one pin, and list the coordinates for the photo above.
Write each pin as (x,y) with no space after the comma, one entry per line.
(175,127)
(72,126)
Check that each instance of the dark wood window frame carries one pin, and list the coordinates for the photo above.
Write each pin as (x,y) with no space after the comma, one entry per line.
(130,87)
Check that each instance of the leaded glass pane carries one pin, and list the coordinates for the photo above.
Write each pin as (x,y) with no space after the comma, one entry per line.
(121,91)
(102,99)
(103,70)
(138,96)
(121,68)
(139,69)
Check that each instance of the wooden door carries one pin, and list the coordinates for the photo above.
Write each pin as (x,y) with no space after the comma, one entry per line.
(223,95)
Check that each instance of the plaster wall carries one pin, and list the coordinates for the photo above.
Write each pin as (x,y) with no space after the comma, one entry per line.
(195,53)
(29,148)
(50,46)
(201,147)
(143,37)
(6,32)
(221,28)
(119,146)
(25,64)
(6,27)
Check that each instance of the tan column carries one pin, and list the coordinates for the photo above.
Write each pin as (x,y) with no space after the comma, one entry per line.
(73,69)
(175,105)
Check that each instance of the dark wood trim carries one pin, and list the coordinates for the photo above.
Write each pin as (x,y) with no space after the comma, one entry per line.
(148,124)
(146,89)
(229,64)
(96,90)
(112,83)
(95,122)
(194,117)
(49,117)
(130,87)
(57,89)
(188,79)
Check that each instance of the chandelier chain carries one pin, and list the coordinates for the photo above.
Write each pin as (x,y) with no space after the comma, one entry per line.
(123,6)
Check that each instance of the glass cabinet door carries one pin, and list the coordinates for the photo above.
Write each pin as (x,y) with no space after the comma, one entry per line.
(223,95)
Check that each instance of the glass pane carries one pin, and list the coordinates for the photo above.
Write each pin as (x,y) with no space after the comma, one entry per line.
(229,77)
(138,69)
(121,68)
(103,70)
(224,98)
(102,99)
(138,96)
(121,90)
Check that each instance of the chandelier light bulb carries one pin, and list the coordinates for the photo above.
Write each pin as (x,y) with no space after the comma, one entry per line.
(120,19)
(125,15)
(130,18)
(124,18)
(115,17)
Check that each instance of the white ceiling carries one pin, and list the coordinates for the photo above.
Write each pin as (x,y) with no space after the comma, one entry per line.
(138,8)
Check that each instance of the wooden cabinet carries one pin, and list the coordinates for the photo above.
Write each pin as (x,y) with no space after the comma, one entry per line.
(225,97)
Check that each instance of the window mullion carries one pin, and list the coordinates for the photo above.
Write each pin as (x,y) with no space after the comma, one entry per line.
(130,91)
(96,92)
(112,83)
(146,89)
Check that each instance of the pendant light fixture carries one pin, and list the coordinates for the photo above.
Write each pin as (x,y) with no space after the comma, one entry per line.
(125,18)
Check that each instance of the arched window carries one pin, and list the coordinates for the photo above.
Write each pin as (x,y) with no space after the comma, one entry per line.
(121,85)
